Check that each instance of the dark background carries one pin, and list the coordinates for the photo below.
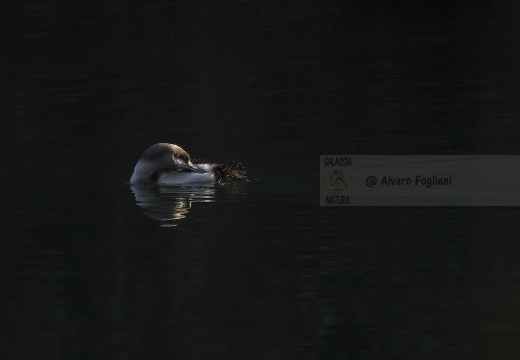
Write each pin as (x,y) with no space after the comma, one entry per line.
(257,271)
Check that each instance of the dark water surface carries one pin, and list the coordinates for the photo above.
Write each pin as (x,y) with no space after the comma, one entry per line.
(92,268)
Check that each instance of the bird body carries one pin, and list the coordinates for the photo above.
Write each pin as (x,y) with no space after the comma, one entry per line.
(169,164)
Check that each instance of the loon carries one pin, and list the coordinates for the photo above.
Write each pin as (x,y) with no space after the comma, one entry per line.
(169,164)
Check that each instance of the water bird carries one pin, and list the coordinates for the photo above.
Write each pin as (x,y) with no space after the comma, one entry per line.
(169,164)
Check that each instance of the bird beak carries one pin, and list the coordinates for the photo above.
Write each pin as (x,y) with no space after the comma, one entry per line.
(193,169)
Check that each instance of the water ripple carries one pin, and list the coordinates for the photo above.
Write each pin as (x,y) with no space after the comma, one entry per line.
(171,203)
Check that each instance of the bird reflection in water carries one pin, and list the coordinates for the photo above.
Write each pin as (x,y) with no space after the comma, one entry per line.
(169,204)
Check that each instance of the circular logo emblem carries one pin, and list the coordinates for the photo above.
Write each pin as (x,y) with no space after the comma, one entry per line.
(337,181)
